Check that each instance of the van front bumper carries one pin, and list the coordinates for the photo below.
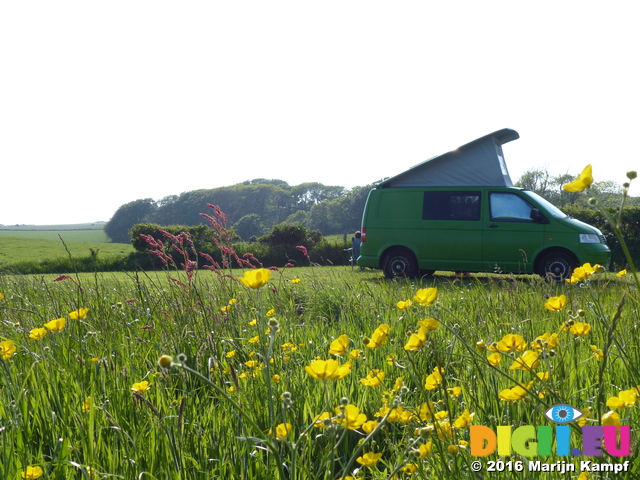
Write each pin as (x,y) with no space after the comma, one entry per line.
(596,254)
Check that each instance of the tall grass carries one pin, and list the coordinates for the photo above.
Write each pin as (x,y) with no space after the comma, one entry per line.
(215,413)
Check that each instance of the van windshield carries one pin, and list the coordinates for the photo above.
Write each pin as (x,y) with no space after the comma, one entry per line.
(549,207)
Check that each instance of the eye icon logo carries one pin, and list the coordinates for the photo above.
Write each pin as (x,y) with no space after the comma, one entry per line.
(562,413)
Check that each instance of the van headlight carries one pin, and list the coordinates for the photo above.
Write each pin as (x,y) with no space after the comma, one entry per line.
(589,238)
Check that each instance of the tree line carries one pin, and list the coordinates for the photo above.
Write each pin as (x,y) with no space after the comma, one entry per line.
(252,208)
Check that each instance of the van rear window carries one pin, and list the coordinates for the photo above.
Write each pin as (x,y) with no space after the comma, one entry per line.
(451,206)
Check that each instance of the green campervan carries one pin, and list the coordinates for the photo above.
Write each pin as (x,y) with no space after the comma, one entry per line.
(460,212)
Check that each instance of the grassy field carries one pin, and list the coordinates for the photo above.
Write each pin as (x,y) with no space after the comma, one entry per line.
(38,243)
(323,373)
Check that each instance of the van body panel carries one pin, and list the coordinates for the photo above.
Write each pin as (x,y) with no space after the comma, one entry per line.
(475,229)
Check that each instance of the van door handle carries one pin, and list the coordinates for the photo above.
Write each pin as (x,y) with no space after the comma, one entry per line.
(493,225)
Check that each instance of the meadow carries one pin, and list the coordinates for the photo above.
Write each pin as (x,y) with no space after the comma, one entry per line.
(318,373)
(36,243)
(311,373)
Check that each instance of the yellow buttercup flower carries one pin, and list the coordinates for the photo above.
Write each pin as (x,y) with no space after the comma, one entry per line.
(429,323)
(556,304)
(581,183)
(454,391)
(579,329)
(464,420)
(416,340)
(369,459)
(512,343)
(426,296)
(350,418)
(434,379)
(86,406)
(527,361)
(626,398)
(38,333)
(328,369)
(513,394)
(374,378)
(379,336)
(410,468)
(597,353)
(32,473)
(621,273)
(339,345)
(494,359)
(78,314)
(56,325)
(425,449)
(610,418)
(583,272)
(369,426)
(356,353)
(404,304)
(282,431)
(295,280)
(397,385)
(7,349)
(322,421)
(140,387)
(545,341)
(543,376)
(256,279)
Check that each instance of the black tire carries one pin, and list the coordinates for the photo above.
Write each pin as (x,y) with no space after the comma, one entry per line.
(557,266)
(400,263)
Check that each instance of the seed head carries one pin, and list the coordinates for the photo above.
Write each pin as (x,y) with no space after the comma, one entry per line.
(165,361)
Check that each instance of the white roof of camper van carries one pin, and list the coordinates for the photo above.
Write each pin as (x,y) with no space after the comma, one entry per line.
(479,163)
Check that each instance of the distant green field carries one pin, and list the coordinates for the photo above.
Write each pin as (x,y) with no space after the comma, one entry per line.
(86,235)
(22,244)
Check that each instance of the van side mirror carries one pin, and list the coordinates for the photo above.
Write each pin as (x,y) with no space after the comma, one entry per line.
(538,217)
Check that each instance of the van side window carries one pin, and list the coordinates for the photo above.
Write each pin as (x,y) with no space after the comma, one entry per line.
(451,206)
(508,207)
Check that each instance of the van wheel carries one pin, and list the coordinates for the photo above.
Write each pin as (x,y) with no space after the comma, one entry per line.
(400,263)
(557,266)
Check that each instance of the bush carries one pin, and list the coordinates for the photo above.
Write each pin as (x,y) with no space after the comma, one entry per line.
(292,235)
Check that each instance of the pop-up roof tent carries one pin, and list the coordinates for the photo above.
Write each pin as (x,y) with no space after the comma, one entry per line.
(478,164)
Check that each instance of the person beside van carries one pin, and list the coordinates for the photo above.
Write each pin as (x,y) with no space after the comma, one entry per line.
(356,241)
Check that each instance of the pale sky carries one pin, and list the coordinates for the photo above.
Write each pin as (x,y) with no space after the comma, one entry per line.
(103,103)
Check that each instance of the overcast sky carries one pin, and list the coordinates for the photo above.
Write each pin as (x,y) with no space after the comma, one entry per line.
(103,103)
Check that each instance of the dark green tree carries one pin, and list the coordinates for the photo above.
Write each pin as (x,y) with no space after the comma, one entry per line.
(128,215)
(249,226)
